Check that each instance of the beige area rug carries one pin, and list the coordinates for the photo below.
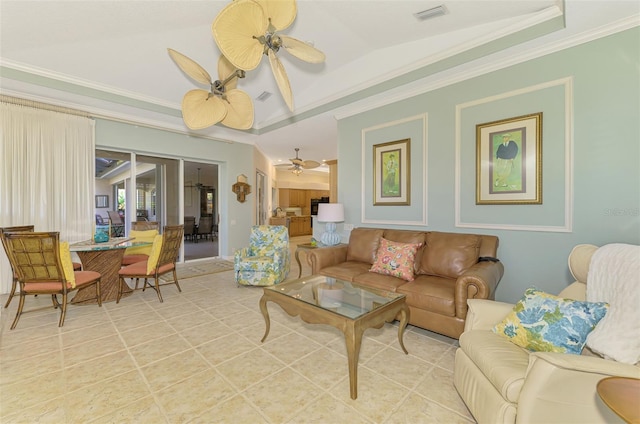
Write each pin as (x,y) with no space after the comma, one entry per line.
(210,266)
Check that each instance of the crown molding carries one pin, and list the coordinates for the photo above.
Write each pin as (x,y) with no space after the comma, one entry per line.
(465,72)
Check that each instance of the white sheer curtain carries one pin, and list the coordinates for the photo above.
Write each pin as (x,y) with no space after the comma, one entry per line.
(47,177)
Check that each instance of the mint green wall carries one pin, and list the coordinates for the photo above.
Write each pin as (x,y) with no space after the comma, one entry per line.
(233,159)
(606,157)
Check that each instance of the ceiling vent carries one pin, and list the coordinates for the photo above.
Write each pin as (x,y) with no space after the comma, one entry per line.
(431,13)
(263,96)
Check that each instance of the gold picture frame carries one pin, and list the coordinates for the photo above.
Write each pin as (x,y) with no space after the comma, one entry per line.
(391,173)
(509,161)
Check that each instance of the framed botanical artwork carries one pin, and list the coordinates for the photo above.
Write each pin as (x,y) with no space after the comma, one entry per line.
(102,201)
(391,173)
(509,161)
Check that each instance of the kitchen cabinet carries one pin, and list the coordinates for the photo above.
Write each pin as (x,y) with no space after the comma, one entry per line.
(297,198)
(300,226)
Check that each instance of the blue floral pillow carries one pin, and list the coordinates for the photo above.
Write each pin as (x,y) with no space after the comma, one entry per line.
(546,323)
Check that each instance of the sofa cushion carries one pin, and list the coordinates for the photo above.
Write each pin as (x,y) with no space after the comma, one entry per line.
(449,254)
(503,363)
(346,270)
(407,236)
(396,259)
(363,244)
(543,322)
(379,281)
(435,294)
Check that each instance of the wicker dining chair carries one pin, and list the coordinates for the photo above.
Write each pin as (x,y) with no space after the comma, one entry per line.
(162,259)
(77,266)
(145,225)
(43,266)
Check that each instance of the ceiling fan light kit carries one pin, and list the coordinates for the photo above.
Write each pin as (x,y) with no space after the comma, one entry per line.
(298,165)
(244,31)
(247,29)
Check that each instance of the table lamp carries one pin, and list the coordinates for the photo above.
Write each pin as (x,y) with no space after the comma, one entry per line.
(330,213)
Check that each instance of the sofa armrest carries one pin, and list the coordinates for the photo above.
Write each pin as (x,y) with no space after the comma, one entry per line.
(581,363)
(562,388)
(326,256)
(478,282)
(485,314)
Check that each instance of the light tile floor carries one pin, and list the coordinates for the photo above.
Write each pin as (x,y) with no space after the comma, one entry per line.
(197,358)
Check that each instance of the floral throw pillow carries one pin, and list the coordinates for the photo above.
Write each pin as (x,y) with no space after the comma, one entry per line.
(546,323)
(396,259)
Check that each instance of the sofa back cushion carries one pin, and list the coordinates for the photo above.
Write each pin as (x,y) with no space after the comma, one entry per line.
(363,244)
(449,254)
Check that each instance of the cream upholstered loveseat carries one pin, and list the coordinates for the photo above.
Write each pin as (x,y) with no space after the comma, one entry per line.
(503,383)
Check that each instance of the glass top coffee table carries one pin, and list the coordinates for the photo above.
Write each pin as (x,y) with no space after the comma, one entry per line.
(347,306)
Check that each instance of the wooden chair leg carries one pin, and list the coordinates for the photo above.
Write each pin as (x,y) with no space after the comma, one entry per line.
(63,307)
(99,293)
(14,284)
(20,306)
(175,280)
(120,283)
(158,289)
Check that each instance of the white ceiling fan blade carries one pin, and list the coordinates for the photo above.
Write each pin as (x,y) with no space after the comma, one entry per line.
(281,78)
(235,29)
(191,68)
(310,164)
(302,50)
(281,12)
(200,110)
(225,70)
(239,110)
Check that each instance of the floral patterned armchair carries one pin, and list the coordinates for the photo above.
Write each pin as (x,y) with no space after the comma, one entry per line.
(267,259)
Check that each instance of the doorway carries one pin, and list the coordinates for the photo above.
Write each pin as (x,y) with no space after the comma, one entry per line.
(261,187)
(202,207)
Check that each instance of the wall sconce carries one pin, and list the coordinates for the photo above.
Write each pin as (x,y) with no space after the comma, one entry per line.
(241,188)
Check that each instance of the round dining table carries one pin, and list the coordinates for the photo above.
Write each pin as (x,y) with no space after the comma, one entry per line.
(106,259)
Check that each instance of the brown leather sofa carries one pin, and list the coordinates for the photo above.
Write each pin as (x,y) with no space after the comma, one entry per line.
(448,271)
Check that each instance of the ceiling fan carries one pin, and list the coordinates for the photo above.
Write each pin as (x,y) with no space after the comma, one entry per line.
(246,29)
(223,102)
(297,164)
(199,186)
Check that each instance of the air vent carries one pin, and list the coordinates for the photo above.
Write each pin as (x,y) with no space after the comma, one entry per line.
(431,13)
(263,96)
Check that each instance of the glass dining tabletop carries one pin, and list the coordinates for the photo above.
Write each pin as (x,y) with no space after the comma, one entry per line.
(111,244)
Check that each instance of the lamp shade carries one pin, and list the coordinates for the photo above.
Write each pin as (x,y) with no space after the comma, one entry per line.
(330,212)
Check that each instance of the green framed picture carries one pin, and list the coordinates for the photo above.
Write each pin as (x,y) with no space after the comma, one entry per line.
(391,173)
(509,161)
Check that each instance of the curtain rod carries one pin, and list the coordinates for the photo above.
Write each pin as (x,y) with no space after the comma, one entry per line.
(43,106)
(53,108)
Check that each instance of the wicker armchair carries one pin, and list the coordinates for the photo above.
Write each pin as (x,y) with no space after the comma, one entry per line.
(77,266)
(162,260)
(43,266)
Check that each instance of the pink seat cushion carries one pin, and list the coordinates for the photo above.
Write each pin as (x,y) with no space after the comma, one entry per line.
(77,266)
(134,258)
(140,268)
(82,278)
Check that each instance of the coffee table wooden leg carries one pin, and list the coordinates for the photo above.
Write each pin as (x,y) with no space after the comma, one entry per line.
(297,255)
(404,319)
(265,314)
(353,339)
